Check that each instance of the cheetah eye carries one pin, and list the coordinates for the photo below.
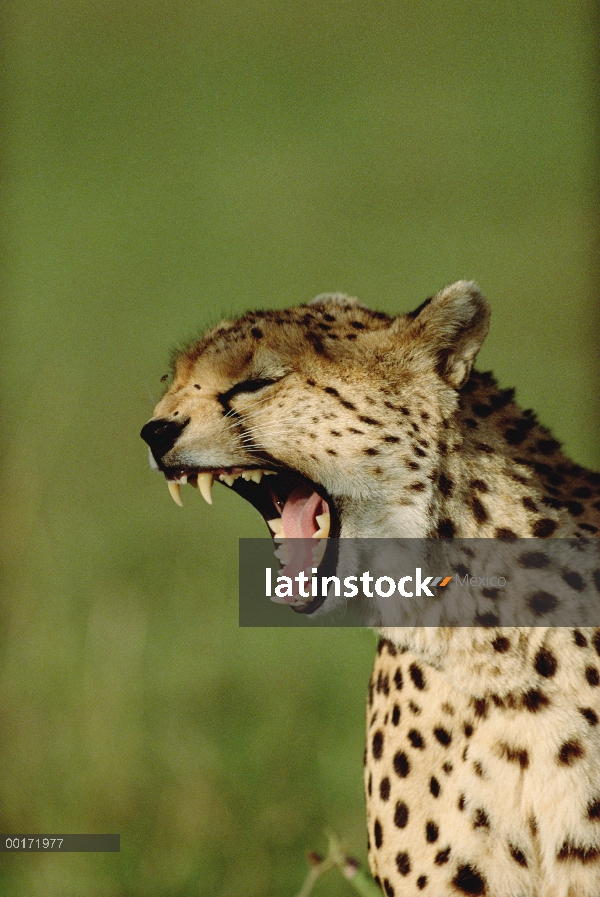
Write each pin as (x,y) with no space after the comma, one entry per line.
(246,386)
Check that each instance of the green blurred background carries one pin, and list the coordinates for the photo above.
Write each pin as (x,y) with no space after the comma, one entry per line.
(163,164)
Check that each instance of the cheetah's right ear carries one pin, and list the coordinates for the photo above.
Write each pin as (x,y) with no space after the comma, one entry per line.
(452,326)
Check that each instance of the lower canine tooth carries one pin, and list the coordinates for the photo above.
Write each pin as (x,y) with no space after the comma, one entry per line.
(318,551)
(175,490)
(276,525)
(205,481)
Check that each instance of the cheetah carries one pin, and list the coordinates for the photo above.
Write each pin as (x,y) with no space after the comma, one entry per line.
(338,421)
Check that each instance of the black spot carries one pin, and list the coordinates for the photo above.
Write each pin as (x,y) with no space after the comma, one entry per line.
(446,529)
(579,639)
(596,641)
(480,485)
(480,819)
(461,802)
(484,447)
(594,810)
(447,767)
(434,786)
(534,700)
(487,620)
(517,855)
(446,485)
(544,527)
(542,603)
(395,715)
(501,644)
(398,679)
(468,728)
(389,891)
(534,560)
(389,438)
(529,504)
(515,755)
(480,706)
(369,420)
(331,452)
(575,852)
(590,715)
(416,674)
(592,676)
(503,532)
(575,508)
(384,789)
(370,785)
(443,736)
(358,325)
(461,570)
(469,880)
(416,739)
(442,857)
(545,663)
(371,693)
(490,593)
(431,832)
(378,833)
(582,492)
(401,764)
(421,882)
(418,487)
(403,863)
(401,815)
(597,582)
(569,752)
(377,745)
(574,580)
(419,452)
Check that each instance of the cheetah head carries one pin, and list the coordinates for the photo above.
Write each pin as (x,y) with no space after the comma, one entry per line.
(322,416)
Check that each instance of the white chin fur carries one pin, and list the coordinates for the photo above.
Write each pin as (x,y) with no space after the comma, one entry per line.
(151,461)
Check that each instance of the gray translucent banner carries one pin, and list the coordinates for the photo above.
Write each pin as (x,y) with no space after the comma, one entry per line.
(420,582)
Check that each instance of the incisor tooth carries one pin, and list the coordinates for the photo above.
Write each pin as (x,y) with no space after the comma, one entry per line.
(205,481)
(228,478)
(276,525)
(175,490)
(324,521)
(256,476)
(277,600)
(247,475)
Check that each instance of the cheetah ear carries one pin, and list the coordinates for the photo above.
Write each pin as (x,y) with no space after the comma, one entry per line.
(454,324)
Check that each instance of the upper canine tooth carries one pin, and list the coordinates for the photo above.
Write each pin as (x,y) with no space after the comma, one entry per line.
(276,525)
(205,481)
(256,476)
(324,521)
(175,490)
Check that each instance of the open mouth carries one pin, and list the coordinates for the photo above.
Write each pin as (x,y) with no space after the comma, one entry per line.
(301,517)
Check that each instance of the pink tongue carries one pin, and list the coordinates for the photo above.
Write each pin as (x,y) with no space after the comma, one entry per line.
(298,515)
(298,519)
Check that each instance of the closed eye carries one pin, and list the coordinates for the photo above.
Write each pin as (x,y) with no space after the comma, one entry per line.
(245,386)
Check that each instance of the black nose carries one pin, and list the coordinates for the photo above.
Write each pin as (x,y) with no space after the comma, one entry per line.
(162,434)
